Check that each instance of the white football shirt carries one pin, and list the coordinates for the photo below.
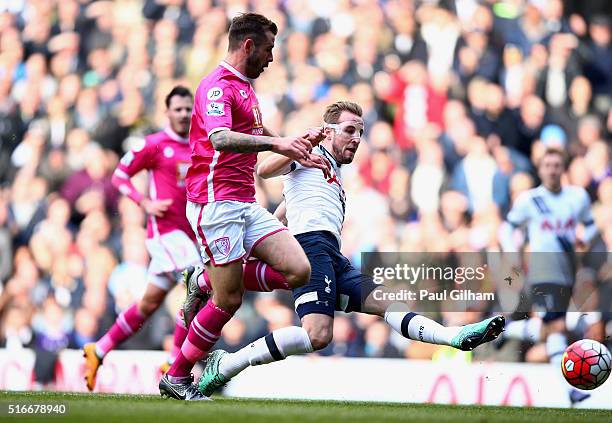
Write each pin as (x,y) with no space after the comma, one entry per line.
(551,219)
(313,202)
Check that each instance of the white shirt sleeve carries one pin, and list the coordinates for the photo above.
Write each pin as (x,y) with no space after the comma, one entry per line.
(517,216)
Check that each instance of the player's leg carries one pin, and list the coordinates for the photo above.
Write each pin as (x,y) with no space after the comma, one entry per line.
(179,336)
(280,261)
(315,334)
(205,329)
(314,303)
(127,324)
(523,324)
(257,276)
(549,325)
(269,241)
(220,227)
(555,299)
(359,293)
(221,367)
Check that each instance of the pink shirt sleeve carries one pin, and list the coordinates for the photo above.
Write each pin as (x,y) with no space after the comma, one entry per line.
(217,107)
(140,157)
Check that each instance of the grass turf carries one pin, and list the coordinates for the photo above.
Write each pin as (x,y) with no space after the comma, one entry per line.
(92,408)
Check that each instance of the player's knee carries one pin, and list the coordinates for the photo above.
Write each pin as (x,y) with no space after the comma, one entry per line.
(299,274)
(229,301)
(320,337)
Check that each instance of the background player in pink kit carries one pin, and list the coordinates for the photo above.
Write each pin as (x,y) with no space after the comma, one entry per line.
(226,133)
(170,240)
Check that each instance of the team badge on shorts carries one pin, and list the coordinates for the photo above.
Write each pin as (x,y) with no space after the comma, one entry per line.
(223,245)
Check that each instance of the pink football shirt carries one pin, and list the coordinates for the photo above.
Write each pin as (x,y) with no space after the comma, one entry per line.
(224,100)
(166,156)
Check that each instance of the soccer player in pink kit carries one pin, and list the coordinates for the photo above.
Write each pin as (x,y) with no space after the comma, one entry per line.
(171,243)
(226,133)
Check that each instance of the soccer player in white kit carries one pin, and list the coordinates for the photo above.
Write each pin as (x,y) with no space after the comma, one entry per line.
(550,212)
(315,214)
(226,134)
(171,243)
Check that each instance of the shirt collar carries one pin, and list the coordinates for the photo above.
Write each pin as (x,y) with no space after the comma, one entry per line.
(174,135)
(329,156)
(234,71)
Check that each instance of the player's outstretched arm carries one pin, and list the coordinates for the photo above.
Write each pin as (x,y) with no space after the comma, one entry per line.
(238,142)
(274,165)
(294,148)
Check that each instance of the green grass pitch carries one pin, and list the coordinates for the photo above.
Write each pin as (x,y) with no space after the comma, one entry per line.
(93,408)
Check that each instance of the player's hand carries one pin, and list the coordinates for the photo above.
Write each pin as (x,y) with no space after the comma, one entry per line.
(314,135)
(156,208)
(296,148)
(318,162)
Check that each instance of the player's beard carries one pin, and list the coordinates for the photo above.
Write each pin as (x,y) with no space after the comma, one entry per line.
(182,129)
(340,154)
(253,66)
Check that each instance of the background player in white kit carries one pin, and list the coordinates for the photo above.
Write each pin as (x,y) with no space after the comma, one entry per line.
(170,240)
(315,214)
(551,213)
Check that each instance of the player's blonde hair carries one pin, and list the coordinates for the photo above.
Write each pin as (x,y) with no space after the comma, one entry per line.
(334,110)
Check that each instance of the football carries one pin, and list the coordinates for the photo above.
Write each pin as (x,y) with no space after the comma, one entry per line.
(586,364)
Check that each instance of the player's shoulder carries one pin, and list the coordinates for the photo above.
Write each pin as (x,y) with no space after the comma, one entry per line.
(575,191)
(154,139)
(527,195)
(217,83)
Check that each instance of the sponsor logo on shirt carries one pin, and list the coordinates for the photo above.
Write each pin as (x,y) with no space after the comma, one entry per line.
(214,109)
(558,225)
(215,93)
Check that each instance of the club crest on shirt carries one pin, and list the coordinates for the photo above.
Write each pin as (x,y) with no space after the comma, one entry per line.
(215,93)
(181,172)
(214,109)
(223,245)
(243,94)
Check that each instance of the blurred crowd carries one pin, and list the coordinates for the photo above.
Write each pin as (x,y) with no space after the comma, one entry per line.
(460,99)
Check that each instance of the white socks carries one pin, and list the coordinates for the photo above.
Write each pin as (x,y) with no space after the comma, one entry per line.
(417,327)
(556,343)
(525,330)
(273,347)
